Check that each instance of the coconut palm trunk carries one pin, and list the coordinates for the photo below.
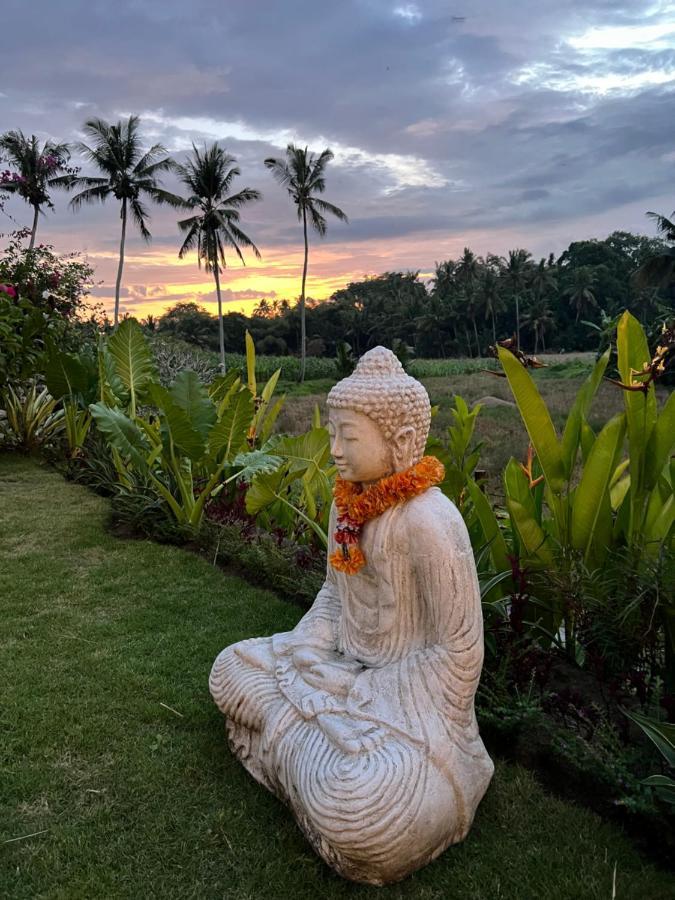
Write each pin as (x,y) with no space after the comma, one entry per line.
(34,229)
(221,327)
(475,331)
(118,283)
(517,323)
(303,335)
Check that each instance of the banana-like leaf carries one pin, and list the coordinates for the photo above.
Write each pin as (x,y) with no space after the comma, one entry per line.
(192,397)
(228,435)
(591,508)
(533,540)
(263,403)
(537,420)
(660,513)
(183,435)
(122,433)
(587,439)
(579,412)
(660,444)
(134,362)
(632,354)
(250,365)
(490,526)
(271,417)
(316,416)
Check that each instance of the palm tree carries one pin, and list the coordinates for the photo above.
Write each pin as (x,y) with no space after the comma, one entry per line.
(208,175)
(303,175)
(129,174)
(490,294)
(517,273)
(539,317)
(580,293)
(36,167)
(467,274)
(659,270)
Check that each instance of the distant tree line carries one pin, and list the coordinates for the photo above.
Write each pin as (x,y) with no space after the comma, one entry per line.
(551,304)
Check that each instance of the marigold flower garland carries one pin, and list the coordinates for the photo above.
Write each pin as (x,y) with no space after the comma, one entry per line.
(357,505)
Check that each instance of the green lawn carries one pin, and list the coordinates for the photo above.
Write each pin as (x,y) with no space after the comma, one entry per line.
(111,747)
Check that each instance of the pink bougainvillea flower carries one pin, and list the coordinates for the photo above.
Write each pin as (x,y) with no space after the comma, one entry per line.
(8,289)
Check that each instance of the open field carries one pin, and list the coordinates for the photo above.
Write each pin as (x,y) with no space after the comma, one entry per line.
(113,756)
(499,426)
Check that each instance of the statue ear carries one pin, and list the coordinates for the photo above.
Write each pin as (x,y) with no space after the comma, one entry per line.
(403,446)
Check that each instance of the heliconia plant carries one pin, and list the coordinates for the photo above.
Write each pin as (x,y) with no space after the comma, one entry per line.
(577,498)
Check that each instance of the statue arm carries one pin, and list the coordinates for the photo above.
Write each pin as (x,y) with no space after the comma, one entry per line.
(318,627)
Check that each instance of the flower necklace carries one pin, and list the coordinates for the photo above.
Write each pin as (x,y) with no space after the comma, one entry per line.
(357,505)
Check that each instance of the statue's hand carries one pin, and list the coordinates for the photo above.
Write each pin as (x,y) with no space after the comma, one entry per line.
(330,677)
(351,735)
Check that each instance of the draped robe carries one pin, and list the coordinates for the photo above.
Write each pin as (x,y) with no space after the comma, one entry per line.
(407,629)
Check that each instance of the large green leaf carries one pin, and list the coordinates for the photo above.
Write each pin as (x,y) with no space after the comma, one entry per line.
(490,527)
(122,433)
(228,435)
(537,420)
(533,541)
(579,412)
(662,735)
(133,359)
(632,354)
(192,397)
(184,437)
(66,375)
(660,444)
(224,385)
(591,506)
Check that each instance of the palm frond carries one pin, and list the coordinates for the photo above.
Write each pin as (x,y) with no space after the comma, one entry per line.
(139,214)
(327,207)
(90,195)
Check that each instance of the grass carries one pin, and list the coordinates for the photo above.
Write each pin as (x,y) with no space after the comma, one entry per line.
(113,750)
(499,427)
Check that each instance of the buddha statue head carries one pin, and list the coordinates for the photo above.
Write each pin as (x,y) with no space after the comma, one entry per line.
(378,419)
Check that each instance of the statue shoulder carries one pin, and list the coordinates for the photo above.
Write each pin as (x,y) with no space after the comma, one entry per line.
(433,517)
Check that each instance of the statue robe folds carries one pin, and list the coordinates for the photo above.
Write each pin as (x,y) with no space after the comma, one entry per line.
(385,773)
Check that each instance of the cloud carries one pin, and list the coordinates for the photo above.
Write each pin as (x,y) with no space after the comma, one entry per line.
(530,119)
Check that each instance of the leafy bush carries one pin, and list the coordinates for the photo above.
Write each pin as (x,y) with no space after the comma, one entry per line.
(41,295)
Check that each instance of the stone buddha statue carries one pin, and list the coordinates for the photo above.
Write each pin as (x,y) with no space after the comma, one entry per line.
(362,718)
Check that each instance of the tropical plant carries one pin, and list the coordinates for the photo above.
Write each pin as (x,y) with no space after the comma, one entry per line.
(173,444)
(130,174)
(303,175)
(31,417)
(36,169)
(208,176)
(300,489)
(662,735)
(344,359)
(517,273)
(580,292)
(575,498)
(659,269)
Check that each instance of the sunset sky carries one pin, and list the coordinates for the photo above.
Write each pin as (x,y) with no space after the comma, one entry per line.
(489,124)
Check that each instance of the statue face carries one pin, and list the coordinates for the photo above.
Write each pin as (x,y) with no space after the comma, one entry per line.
(358,446)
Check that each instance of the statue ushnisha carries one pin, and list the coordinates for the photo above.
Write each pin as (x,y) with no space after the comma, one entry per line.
(362,718)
